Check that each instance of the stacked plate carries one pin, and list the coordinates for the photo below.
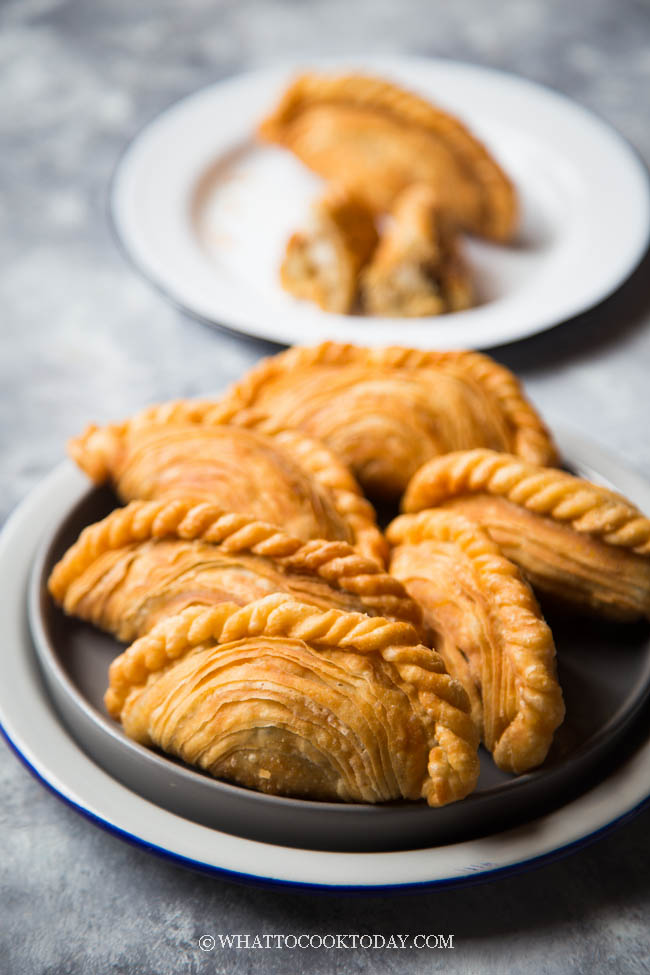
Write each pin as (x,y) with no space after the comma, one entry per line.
(52,713)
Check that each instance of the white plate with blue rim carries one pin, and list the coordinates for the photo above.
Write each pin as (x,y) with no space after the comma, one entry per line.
(33,727)
(204,212)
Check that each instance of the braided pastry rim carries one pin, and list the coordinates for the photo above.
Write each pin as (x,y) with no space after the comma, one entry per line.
(452,764)
(364,91)
(571,501)
(309,454)
(530,436)
(491,565)
(275,615)
(336,562)
(511,598)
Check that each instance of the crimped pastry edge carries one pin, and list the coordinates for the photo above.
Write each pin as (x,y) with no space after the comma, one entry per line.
(311,89)
(453,765)
(276,615)
(544,491)
(531,438)
(95,450)
(510,595)
(337,562)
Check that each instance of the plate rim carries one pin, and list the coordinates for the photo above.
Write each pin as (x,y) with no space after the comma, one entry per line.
(638,173)
(18,542)
(257,880)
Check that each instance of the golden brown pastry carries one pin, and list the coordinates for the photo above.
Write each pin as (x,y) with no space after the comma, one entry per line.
(387,411)
(293,700)
(578,542)
(322,263)
(418,268)
(152,559)
(183,450)
(376,139)
(492,636)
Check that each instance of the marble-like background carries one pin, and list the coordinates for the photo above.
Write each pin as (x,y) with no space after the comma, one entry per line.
(83,337)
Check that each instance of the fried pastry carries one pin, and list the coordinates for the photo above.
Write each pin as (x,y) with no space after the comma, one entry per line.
(292,700)
(491,634)
(182,450)
(386,411)
(376,139)
(322,263)
(153,559)
(578,542)
(418,268)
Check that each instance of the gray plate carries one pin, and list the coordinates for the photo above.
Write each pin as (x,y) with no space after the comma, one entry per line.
(604,670)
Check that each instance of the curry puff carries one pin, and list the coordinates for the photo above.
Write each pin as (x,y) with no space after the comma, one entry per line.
(489,631)
(376,139)
(153,559)
(577,542)
(418,268)
(182,450)
(385,412)
(322,263)
(293,700)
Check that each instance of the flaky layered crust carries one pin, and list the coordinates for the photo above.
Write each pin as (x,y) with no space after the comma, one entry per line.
(385,412)
(183,450)
(492,636)
(577,541)
(376,139)
(417,268)
(322,263)
(284,698)
(152,559)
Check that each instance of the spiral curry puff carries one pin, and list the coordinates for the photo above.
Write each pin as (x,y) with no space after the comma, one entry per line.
(386,411)
(265,660)
(184,450)
(376,139)
(489,631)
(293,700)
(152,559)
(577,542)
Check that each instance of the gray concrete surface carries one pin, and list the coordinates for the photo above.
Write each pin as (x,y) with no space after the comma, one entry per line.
(82,336)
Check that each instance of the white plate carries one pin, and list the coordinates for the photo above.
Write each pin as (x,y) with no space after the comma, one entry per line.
(204,213)
(33,728)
